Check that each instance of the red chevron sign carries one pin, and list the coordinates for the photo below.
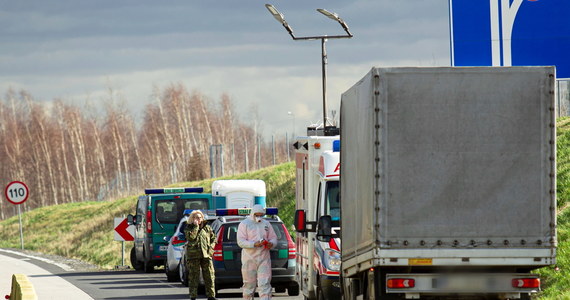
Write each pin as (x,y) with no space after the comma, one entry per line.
(124,231)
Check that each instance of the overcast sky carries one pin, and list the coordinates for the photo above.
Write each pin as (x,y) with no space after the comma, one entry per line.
(76,50)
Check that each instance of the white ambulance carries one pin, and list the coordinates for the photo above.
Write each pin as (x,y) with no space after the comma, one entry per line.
(317,194)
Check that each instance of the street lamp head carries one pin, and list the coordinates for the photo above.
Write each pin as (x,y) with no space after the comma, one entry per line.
(275,13)
(335,17)
(329,14)
(280,18)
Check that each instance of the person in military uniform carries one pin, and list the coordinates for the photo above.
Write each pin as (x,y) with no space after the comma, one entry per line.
(199,250)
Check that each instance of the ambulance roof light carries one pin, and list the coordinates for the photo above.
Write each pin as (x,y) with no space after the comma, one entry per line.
(270,211)
(336,146)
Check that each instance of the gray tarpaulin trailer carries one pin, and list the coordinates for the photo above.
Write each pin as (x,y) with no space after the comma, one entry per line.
(448,170)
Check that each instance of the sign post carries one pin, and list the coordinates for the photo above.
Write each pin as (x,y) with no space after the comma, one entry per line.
(123,232)
(17,192)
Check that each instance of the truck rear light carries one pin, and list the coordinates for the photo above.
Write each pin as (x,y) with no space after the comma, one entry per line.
(401,283)
(149,221)
(290,244)
(526,283)
(218,248)
(177,241)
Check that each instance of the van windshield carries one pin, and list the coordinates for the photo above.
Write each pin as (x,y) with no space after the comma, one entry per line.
(170,211)
(332,200)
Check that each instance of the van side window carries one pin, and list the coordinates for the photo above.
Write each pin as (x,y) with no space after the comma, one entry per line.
(166,211)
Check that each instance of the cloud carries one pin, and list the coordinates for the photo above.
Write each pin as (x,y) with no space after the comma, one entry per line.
(76,50)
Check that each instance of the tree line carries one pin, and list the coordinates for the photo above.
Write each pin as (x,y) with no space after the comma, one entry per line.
(65,153)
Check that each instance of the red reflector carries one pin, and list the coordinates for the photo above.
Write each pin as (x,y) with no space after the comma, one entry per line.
(176,197)
(401,283)
(526,283)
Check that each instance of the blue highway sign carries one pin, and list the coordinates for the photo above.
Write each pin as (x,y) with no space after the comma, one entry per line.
(511,33)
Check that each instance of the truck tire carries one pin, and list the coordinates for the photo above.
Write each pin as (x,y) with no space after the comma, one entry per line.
(319,292)
(293,290)
(137,265)
(525,297)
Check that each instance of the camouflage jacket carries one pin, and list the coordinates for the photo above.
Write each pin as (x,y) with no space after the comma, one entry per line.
(200,241)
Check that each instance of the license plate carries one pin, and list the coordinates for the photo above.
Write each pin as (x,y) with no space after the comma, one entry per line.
(466,283)
(163,248)
(420,261)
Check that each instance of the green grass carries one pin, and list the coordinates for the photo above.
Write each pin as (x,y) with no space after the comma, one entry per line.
(556,280)
(85,230)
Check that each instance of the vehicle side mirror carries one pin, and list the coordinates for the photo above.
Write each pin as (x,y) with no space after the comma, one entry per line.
(130,220)
(300,220)
(324,229)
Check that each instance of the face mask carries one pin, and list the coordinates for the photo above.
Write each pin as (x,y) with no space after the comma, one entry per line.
(258,219)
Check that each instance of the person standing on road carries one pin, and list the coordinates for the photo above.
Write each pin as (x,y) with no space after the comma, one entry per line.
(256,237)
(199,250)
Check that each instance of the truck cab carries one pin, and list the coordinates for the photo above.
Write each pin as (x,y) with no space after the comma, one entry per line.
(158,212)
(317,194)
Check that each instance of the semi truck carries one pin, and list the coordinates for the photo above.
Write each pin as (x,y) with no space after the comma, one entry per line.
(448,183)
(317,194)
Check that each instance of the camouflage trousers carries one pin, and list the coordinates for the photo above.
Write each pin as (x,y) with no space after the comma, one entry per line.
(193,265)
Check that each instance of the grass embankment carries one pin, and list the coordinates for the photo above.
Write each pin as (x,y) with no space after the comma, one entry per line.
(556,280)
(85,230)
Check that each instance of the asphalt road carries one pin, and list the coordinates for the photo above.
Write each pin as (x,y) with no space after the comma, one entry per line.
(130,284)
(114,284)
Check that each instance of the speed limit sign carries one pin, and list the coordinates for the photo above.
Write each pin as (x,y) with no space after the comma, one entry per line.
(17,192)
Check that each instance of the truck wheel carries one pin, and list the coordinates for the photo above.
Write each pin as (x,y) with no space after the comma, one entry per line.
(525,297)
(320,295)
(293,290)
(171,275)
(137,265)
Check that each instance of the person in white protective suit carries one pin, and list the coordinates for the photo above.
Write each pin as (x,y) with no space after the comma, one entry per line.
(256,237)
